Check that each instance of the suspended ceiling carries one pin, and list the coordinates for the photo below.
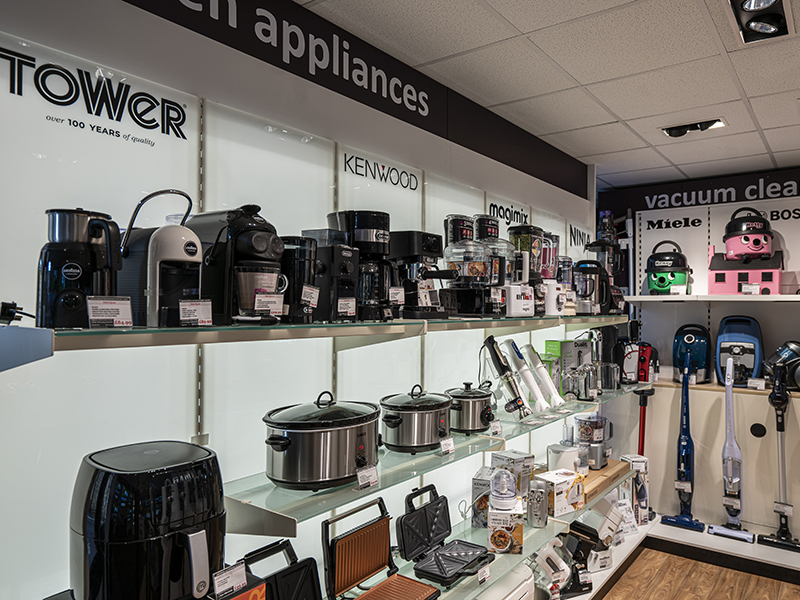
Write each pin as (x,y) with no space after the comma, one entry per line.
(598,79)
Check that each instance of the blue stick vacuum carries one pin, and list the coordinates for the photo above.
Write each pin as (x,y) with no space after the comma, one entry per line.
(685,481)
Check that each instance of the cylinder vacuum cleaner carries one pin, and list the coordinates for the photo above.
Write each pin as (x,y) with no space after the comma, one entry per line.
(695,339)
(731,471)
(667,269)
(739,338)
(684,484)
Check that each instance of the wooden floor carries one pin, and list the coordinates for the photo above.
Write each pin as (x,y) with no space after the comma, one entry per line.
(658,576)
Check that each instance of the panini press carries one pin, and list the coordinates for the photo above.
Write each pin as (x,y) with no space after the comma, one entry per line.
(421,534)
(298,581)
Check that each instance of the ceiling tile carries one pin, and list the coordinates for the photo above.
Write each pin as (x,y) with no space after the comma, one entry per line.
(690,85)
(416,32)
(643,177)
(788,159)
(783,138)
(603,185)
(529,16)
(768,67)
(734,113)
(729,166)
(731,146)
(721,14)
(570,109)
(635,38)
(595,140)
(777,110)
(499,73)
(627,160)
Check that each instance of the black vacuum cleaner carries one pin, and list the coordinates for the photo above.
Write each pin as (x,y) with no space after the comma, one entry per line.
(685,481)
(779,399)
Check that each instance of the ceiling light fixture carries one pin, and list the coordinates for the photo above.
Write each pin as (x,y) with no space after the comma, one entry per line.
(681,130)
(755,5)
(767,24)
(759,20)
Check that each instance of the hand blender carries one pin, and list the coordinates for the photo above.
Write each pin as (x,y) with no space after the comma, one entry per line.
(520,365)
(506,376)
(685,481)
(731,471)
(779,399)
(536,362)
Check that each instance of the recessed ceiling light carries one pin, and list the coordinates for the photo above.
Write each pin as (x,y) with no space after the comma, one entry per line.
(768,24)
(682,130)
(760,20)
(754,5)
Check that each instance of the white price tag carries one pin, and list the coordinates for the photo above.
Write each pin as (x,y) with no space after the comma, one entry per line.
(585,577)
(448,445)
(483,574)
(734,503)
(310,295)
(534,422)
(597,434)
(751,289)
(367,477)
(592,393)
(563,411)
(229,579)
(684,486)
(496,428)
(693,379)
(595,309)
(782,509)
(346,307)
(424,297)
(496,295)
(607,452)
(677,290)
(757,384)
(109,312)
(270,304)
(571,295)
(195,313)
(397,295)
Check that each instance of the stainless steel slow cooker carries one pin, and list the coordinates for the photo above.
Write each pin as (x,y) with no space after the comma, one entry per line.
(416,421)
(471,410)
(320,444)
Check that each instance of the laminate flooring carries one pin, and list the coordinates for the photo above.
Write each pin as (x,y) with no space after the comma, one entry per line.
(659,576)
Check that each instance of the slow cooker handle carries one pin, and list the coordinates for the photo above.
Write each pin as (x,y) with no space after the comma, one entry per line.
(662,242)
(392,421)
(279,443)
(319,401)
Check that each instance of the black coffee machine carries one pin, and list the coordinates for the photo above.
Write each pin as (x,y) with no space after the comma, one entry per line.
(368,230)
(336,276)
(298,264)
(81,259)
(239,246)
(147,522)
(416,254)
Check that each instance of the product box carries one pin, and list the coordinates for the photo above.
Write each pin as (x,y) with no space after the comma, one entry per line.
(504,528)
(553,366)
(520,464)
(637,488)
(564,491)
(481,486)
(570,354)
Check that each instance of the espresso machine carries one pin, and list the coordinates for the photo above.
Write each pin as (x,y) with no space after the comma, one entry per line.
(241,259)
(468,295)
(298,264)
(416,254)
(530,239)
(336,276)
(81,259)
(368,231)
(160,267)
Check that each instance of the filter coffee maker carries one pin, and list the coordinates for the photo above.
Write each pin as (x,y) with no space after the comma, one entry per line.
(81,259)
(368,231)
(241,257)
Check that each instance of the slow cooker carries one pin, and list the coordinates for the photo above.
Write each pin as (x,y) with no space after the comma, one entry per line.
(320,444)
(471,410)
(416,421)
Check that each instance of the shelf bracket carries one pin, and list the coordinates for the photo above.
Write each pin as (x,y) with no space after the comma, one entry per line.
(249,519)
(22,345)
(388,333)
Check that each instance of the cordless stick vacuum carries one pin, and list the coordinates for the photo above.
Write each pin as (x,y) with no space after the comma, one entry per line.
(506,376)
(685,481)
(779,399)
(544,377)
(731,471)
(520,365)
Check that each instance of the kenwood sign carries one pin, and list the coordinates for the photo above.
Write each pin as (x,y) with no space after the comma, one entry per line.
(381,172)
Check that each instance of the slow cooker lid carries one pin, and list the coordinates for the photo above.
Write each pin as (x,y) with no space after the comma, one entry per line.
(469,393)
(323,413)
(416,399)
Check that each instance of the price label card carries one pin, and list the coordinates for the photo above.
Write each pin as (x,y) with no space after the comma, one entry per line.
(757,384)
(585,577)
(483,574)
(563,411)
(693,379)
(497,295)
(109,312)
(571,295)
(270,304)
(448,446)
(424,297)
(783,509)
(734,503)
(310,295)
(677,290)
(346,307)
(397,295)
(229,579)
(684,486)
(195,313)
(548,417)
(496,428)
(534,422)
(751,289)
(592,393)
(367,477)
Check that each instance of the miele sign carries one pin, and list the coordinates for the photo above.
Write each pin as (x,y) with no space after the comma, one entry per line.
(286,35)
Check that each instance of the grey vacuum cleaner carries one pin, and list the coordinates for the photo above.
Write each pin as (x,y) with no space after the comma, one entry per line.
(731,471)
(684,484)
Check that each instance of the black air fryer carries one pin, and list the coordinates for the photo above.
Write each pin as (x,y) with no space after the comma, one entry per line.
(147,523)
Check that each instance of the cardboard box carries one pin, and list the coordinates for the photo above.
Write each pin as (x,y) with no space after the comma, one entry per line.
(597,482)
(481,485)
(638,488)
(569,354)
(564,491)
(520,464)
(504,529)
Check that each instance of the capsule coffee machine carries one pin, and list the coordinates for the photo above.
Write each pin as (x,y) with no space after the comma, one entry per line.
(368,230)
(241,258)
(336,276)
(160,267)
(81,259)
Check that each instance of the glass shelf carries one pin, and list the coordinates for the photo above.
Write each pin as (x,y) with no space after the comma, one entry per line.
(713,298)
